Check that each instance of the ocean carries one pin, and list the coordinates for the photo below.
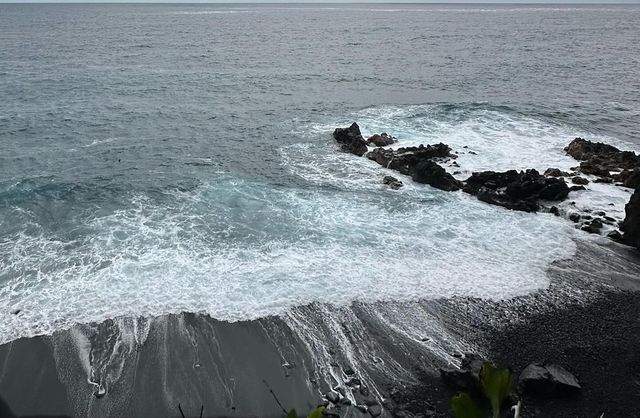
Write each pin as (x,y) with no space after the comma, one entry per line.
(161,159)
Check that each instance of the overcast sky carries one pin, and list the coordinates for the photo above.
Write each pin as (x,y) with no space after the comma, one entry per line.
(332,1)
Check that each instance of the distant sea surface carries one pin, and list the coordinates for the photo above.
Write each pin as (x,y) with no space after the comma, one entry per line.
(167,158)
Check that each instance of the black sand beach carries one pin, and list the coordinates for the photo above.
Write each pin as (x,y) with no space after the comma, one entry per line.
(587,321)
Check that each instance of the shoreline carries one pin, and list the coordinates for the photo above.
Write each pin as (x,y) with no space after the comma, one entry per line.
(394,350)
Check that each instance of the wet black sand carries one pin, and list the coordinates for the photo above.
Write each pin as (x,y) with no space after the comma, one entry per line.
(588,320)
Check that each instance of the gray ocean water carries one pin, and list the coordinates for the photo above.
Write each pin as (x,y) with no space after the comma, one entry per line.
(161,158)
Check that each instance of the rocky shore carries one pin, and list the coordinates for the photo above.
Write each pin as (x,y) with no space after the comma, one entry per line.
(572,347)
(527,191)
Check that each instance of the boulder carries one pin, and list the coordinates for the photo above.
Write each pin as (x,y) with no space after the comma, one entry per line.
(429,172)
(581,149)
(351,139)
(375,410)
(406,159)
(555,172)
(381,140)
(467,377)
(580,180)
(630,179)
(593,227)
(601,160)
(392,182)
(333,397)
(516,190)
(547,380)
(631,224)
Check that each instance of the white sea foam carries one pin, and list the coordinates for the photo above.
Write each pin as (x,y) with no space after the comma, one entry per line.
(237,249)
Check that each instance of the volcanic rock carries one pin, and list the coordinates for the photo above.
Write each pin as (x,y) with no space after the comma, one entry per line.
(351,139)
(631,223)
(547,380)
(516,190)
(381,140)
(431,173)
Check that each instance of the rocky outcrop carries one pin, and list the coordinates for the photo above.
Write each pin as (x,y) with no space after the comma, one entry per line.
(381,140)
(631,224)
(606,162)
(351,139)
(406,159)
(516,190)
(467,377)
(547,380)
(555,172)
(392,182)
(429,172)
(580,180)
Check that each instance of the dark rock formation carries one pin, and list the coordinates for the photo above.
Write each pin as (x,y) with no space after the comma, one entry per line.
(555,172)
(392,182)
(516,190)
(467,377)
(429,172)
(547,380)
(631,223)
(593,227)
(581,149)
(381,140)
(580,180)
(630,179)
(601,160)
(351,139)
(405,160)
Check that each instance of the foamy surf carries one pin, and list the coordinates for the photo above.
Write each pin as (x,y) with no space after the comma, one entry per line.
(239,249)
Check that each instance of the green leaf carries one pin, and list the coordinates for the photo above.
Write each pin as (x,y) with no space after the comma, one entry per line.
(316,413)
(464,407)
(496,385)
(292,414)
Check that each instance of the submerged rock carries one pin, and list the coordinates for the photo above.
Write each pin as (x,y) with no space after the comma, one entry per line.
(593,227)
(516,190)
(381,140)
(351,139)
(547,380)
(631,224)
(429,172)
(392,182)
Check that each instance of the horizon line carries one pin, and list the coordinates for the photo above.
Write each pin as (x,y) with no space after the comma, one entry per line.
(436,2)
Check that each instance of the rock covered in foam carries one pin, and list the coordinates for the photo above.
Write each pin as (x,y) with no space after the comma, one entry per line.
(631,224)
(351,139)
(516,190)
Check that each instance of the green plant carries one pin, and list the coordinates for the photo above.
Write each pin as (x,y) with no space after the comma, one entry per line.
(496,387)
(316,413)
(464,407)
